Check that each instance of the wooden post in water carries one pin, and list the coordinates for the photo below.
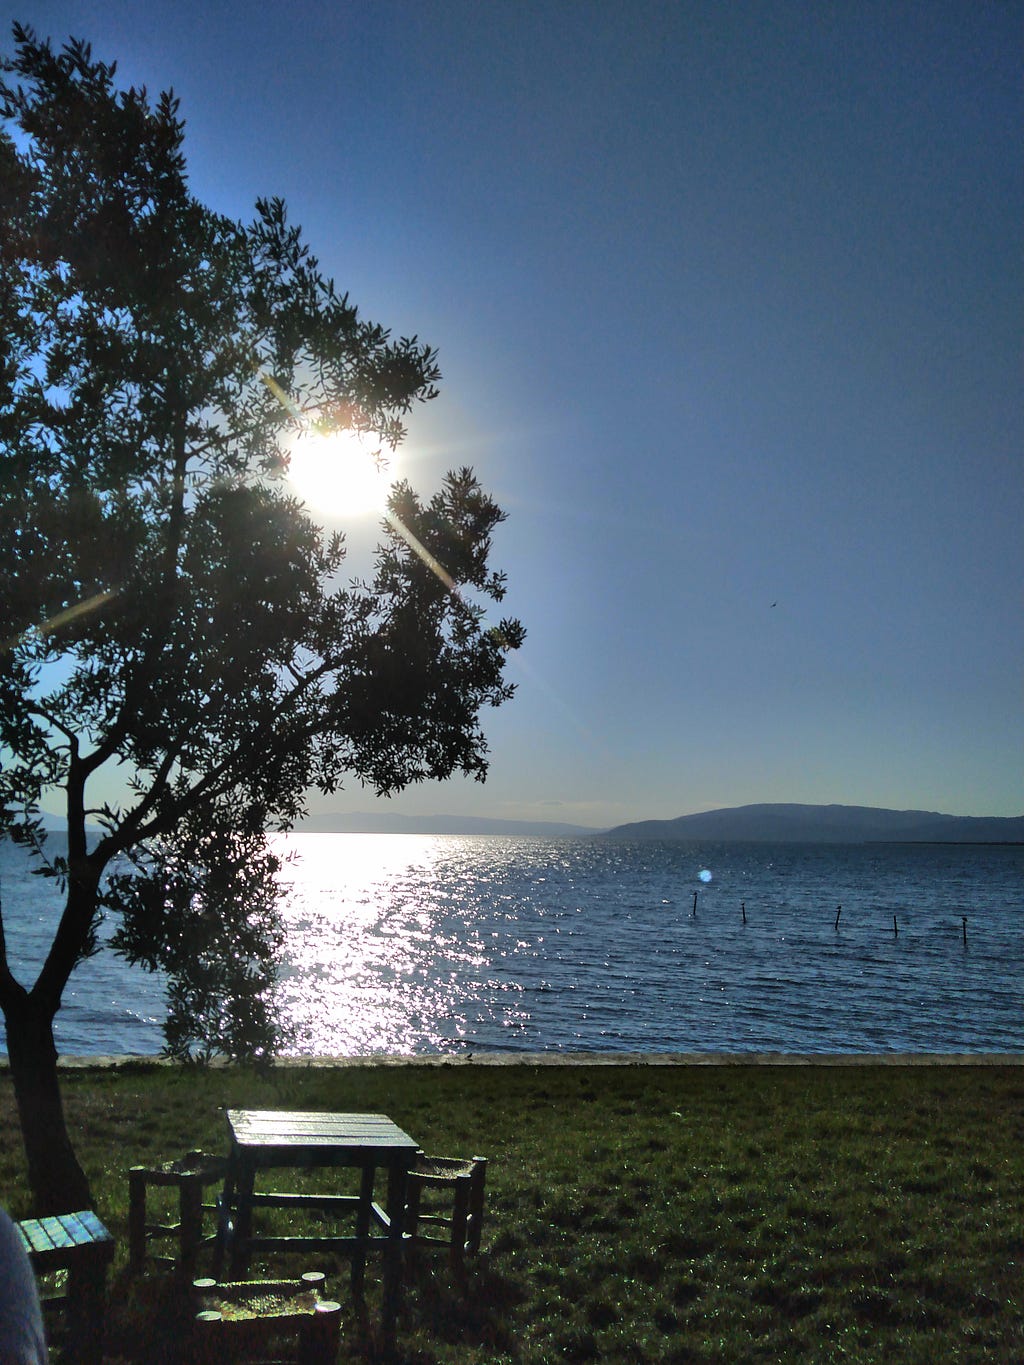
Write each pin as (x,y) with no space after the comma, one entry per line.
(839,911)
(964,919)
(895,928)
(693,912)
(743,910)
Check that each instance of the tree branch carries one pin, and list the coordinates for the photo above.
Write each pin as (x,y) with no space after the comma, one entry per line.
(34,709)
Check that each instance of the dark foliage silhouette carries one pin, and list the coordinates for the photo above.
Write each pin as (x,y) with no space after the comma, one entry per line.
(180,657)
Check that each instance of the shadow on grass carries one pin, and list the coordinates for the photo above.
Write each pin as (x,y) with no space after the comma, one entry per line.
(476,1313)
(149,1319)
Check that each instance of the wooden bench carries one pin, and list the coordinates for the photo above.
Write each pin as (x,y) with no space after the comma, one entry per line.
(246,1318)
(81,1245)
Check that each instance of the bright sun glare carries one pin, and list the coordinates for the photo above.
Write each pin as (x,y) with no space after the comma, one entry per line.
(338,475)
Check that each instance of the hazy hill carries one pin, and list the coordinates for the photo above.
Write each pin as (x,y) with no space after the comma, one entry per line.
(781,823)
(389,823)
(768,823)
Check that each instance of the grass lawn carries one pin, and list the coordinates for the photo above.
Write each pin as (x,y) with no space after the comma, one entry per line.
(637,1213)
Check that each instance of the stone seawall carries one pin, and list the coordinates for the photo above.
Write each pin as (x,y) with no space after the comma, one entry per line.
(625,1059)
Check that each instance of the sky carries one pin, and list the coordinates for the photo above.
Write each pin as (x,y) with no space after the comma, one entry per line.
(728,300)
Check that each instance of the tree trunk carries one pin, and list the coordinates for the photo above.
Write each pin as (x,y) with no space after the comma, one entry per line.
(57,1181)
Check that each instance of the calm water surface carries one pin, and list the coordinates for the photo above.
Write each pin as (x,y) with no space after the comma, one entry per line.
(427,944)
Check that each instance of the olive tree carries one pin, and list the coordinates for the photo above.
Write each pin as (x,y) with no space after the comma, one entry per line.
(169,611)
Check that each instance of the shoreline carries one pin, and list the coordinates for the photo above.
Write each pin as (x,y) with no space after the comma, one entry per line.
(554,1059)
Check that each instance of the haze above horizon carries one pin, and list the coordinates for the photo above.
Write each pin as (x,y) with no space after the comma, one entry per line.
(728,307)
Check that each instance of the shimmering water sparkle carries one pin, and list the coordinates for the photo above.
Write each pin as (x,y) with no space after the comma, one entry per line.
(419,944)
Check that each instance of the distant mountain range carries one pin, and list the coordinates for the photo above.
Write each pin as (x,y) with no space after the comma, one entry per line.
(781,823)
(774,822)
(390,823)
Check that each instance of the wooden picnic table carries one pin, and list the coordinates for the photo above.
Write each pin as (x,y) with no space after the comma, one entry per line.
(266,1139)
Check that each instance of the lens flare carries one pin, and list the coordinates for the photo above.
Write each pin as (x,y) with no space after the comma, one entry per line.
(339,474)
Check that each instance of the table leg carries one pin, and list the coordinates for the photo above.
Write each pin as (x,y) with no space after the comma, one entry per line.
(190,1223)
(225,1220)
(362,1229)
(136,1218)
(244,1183)
(398,1179)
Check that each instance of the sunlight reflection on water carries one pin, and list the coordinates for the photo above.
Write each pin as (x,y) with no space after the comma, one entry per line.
(421,944)
(402,944)
(375,962)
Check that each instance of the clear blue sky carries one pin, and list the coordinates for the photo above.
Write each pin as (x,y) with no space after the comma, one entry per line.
(728,301)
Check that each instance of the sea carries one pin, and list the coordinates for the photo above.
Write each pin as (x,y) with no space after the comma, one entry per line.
(433,944)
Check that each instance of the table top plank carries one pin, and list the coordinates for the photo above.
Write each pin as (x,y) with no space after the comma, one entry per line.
(292,1128)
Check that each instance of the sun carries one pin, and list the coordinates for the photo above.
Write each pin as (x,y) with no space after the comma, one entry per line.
(339,474)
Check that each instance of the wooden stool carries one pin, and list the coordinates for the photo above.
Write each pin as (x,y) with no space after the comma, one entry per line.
(245,1316)
(191,1174)
(443,1179)
(80,1244)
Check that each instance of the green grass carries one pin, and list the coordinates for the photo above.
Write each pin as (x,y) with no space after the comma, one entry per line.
(677,1214)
